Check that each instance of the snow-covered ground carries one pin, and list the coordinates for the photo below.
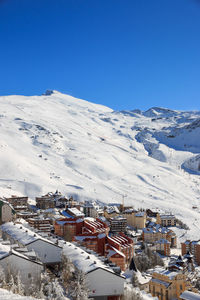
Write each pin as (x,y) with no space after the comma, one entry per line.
(87,150)
(6,295)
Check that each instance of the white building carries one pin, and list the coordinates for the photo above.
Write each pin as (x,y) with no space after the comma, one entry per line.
(47,251)
(102,281)
(15,262)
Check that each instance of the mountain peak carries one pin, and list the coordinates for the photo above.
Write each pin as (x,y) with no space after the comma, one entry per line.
(51,92)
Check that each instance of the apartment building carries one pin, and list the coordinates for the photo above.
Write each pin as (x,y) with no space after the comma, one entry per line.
(41,224)
(194,248)
(18,203)
(155,233)
(166,220)
(118,224)
(167,285)
(134,218)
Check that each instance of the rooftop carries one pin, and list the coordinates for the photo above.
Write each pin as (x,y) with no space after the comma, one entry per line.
(187,295)
(21,233)
(82,260)
(75,212)
(167,273)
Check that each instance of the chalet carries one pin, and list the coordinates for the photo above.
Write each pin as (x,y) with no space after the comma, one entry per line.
(151,214)
(47,251)
(182,263)
(102,281)
(11,260)
(6,211)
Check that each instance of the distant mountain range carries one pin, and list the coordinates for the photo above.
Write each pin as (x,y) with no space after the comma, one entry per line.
(55,141)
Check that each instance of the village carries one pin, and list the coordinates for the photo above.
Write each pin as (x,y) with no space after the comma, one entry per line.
(113,246)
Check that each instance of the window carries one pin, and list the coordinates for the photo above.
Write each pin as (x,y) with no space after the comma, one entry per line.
(29,275)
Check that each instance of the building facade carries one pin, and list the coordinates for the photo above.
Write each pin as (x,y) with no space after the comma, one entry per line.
(168,285)
(6,212)
(166,220)
(194,248)
(135,219)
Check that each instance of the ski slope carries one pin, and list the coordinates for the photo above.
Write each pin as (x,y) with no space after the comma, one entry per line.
(56,141)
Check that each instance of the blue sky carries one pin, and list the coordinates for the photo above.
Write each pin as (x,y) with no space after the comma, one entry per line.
(125,54)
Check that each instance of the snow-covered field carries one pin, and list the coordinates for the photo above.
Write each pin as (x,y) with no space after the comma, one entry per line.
(87,150)
(6,295)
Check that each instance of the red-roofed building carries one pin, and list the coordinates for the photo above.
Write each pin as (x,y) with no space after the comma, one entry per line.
(72,226)
(124,246)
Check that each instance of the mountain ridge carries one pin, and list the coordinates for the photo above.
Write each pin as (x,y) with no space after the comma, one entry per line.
(90,151)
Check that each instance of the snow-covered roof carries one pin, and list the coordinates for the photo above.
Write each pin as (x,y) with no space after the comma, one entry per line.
(167,216)
(21,234)
(112,251)
(82,260)
(167,273)
(196,242)
(162,241)
(4,250)
(112,209)
(165,283)
(140,214)
(75,212)
(157,228)
(187,295)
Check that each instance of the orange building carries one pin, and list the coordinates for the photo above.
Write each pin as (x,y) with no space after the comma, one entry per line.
(163,247)
(168,285)
(155,233)
(93,235)
(119,249)
(194,248)
(68,227)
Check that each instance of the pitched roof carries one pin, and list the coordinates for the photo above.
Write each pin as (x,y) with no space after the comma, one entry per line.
(187,295)
(84,261)
(22,234)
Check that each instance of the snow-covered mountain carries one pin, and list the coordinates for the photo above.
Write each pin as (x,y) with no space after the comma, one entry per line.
(55,141)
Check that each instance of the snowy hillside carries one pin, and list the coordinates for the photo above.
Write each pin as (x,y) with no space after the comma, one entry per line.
(59,142)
